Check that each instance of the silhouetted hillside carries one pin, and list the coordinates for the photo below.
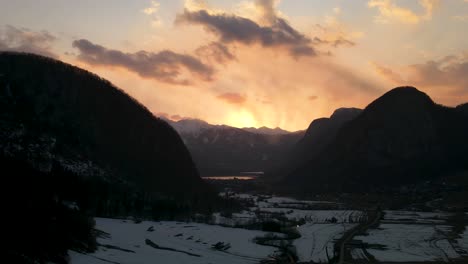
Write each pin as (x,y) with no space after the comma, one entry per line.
(73,146)
(42,218)
(463,108)
(87,117)
(320,133)
(402,137)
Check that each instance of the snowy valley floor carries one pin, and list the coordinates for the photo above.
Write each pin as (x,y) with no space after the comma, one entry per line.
(402,236)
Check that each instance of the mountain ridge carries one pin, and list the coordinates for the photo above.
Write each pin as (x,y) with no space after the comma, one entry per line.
(402,136)
(223,150)
(195,125)
(318,135)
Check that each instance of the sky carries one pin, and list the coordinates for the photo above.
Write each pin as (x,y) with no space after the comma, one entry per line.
(252,63)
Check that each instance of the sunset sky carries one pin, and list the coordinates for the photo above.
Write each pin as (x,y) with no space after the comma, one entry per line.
(252,62)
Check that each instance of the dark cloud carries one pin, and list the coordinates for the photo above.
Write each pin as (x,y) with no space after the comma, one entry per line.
(312,97)
(165,66)
(26,40)
(232,98)
(215,51)
(450,72)
(231,28)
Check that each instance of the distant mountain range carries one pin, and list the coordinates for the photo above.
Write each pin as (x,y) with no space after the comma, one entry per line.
(401,138)
(194,126)
(267,131)
(223,150)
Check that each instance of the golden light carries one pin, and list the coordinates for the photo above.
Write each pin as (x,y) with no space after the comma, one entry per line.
(241,118)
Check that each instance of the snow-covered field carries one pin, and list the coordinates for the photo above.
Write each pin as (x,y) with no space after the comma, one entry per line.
(317,240)
(407,236)
(415,217)
(402,236)
(193,242)
(318,233)
(287,202)
(318,216)
(242,218)
(408,243)
(464,240)
(288,208)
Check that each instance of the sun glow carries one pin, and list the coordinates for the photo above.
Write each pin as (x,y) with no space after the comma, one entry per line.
(242,118)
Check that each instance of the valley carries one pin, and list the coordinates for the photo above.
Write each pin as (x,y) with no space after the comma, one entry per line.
(273,225)
(116,184)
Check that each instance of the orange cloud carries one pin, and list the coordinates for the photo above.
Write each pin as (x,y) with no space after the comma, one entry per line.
(232,98)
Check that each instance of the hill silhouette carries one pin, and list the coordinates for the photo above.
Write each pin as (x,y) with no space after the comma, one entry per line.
(73,146)
(402,137)
(90,119)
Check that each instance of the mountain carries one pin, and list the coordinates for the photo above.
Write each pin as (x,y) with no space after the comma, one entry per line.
(224,150)
(463,108)
(266,130)
(318,135)
(86,118)
(72,145)
(189,126)
(322,131)
(401,138)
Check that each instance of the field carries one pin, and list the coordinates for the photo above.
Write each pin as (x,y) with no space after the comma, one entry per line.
(405,236)
(177,242)
(401,236)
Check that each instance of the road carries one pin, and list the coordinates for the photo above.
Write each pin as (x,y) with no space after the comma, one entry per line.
(373,219)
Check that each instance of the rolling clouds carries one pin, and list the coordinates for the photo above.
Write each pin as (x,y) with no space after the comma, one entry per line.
(164,66)
(262,60)
(26,40)
(236,29)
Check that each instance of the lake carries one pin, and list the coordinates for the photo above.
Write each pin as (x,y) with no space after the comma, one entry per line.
(230,178)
